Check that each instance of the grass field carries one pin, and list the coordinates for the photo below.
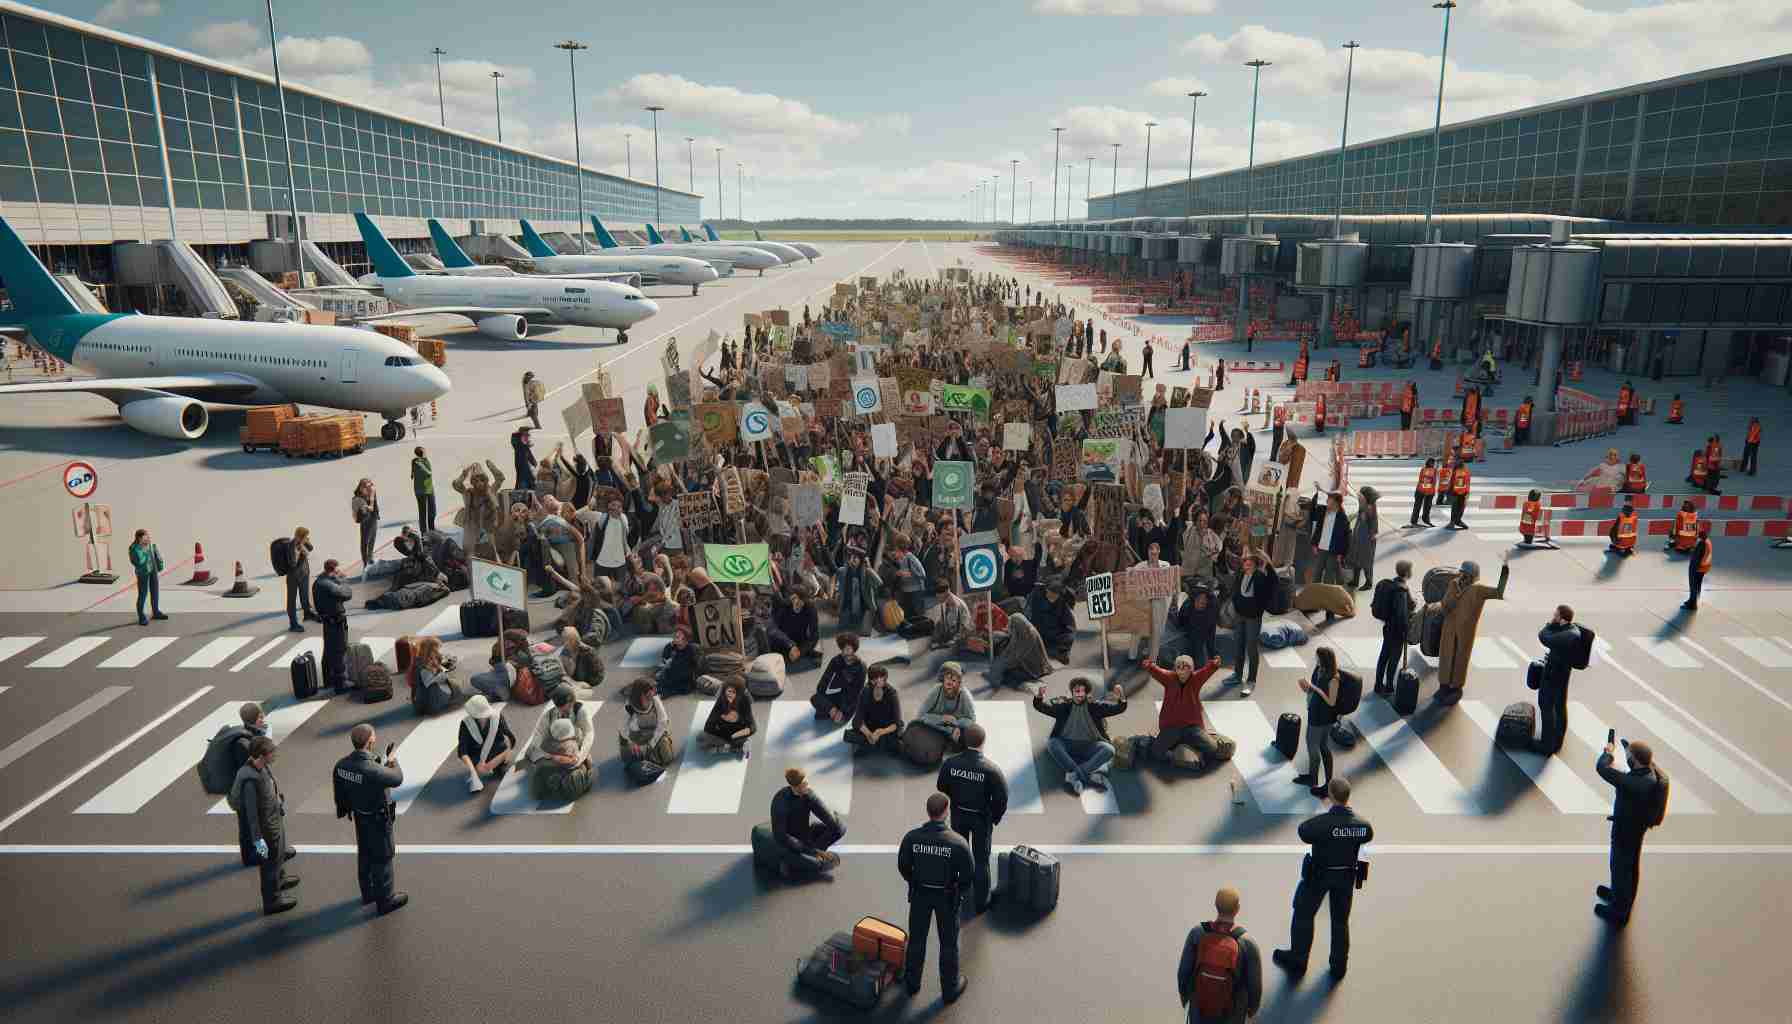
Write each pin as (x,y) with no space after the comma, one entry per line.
(861,236)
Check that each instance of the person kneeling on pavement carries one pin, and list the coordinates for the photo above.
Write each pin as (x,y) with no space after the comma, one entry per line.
(1079,741)
(795,617)
(486,742)
(804,842)
(1182,736)
(836,697)
(1021,654)
(877,724)
(646,737)
(560,767)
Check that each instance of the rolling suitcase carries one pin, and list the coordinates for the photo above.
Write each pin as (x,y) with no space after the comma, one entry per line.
(1288,734)
(838,970)
(1518,724)
(304,676)
(1406,693)
(478,618)
(1028,878)
(1431,639)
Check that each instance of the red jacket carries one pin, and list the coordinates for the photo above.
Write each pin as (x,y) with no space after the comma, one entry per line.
(1182,702)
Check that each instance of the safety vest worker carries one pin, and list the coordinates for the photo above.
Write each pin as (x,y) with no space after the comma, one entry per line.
(1407,399)
(1459,486)
(1754,432)
(1319,414)
(1675,409)
(1698,469)
(1437,351)
(1428,481)
(1624,401)
(1471,446)
(1300,366)
(1281,414)
(1524,415)
(1705,553)
(1471,407)
(1686,529)
(1527,518)
(1624,532)
(1636,476)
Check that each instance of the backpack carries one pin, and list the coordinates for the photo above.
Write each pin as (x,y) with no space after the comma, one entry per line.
(1658,801)
(1350,693)
(526,690)
(1381,606)
(1217,956)
(1583,654)
(215,772)
(280,553)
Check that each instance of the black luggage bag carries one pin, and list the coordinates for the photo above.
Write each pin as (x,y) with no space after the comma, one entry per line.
(1029,879)
(304,676)
(1288,734)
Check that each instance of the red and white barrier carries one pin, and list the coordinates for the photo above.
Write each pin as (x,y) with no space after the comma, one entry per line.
(1254,366)
(1665,527)
(1604,497)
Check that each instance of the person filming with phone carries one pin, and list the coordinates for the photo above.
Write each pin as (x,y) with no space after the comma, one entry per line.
(1640,804)
(362,781)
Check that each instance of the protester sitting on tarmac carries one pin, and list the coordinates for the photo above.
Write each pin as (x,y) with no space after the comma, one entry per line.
(678,664)
(566,707)
(1608,475)
(1181,720)
(1079,741)
(804,842)
(836,697)
(730,724)
(878,722)
(582,662)
(948,704)
(486,742)
(646,731)
(1022,658)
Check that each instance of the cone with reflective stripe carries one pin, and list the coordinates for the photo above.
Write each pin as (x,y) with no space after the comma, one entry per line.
(241,587)
(202,577)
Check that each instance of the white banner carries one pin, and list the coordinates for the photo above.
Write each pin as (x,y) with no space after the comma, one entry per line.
(497,583)
(1017,437)
(1076,397)
(883,440)
(1185,428)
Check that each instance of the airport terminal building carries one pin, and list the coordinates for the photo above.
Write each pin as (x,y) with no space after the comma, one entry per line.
(105,138)
(1683,186)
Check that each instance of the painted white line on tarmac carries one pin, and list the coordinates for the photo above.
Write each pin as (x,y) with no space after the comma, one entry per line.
(50,794)
(1008,742)
(312,645)
(257,653)
(1400,747)
(1524,656)
(1269,776)
(213,654)
(1727,667)
(1664,650)
(138,652)
(871,849)
(1762,651)
(1751,792)
(62,656)
(11,645)
(794,737)
(1590,729)
(56,726)
(1550,774)
(707,783)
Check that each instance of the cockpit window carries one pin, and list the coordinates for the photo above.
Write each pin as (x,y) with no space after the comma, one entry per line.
(403,361)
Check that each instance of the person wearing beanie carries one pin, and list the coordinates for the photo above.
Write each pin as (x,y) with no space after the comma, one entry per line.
(486,742)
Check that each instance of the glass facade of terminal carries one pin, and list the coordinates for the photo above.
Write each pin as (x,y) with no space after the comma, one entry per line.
(1709,150)
(84,120)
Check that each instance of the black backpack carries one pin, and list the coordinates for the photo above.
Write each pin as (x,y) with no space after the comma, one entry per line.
(1583,654)
(215,770)
(1350,693)
(280,553)
(1379,607)
(1658,801)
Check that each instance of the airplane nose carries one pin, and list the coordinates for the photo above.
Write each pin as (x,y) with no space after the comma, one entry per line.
(648,308)
(432,384)
(710,273)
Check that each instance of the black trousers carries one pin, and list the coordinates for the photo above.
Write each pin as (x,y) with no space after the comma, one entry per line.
(1307,897)
(1695,582)
(1405,420)
(426,512)
(1521,435)
(335,661)
(1627,867)
(1393,653)
(1552,713)
(890,744)
(1750,452)
(374,852)
(1421,507)
(980,834)
(273,872)
(925,907)
(1457,503)
(1275,440)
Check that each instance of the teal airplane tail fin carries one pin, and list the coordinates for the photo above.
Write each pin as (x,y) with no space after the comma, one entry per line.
(711,232)
(34,293)
(686,235)
(453,256)
(533,242)
(757,237)
(653,236)
(385,259)
(604,238)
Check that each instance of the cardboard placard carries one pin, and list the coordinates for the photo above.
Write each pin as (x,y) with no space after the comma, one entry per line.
(852,498)
(734,494)
(1076,397)
(805,504)
(1104,457)
(608,415)
(954,484)
(959,398)
(867,396)
(720,422)
(1100,595)
(717,625)
(671,439)
(1017,437)
(577,417)
(883,440)
(1067,457)
(1107,514)
(1149,583)
(697,509)
(756,422)
(1185,427)
(1117,421)
(916,387)
(1128,387)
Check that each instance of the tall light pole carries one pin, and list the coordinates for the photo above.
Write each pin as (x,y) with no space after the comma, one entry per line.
(572,47)
(1437,125)
(1114,186)
(655,111)
(1193,110)
(441,108)
(1145,193)
(740,191)
(498,103)
(1088,185)
(1256,67)
(690,156)
(292,188)
(628,154)
(1013,192)
(1029,200)
(995,196)
(1344,136)
(1057,137)
(721,211)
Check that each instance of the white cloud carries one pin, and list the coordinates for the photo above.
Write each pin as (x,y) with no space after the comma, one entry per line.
(1124,8)
(226,38)
(753,112)
(1310,67)
(1177,87)
(1648,41)
(124,10)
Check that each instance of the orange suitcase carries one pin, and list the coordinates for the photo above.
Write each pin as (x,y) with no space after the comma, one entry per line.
(878,939)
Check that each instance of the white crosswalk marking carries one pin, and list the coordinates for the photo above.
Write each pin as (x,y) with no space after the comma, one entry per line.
(138,652)
(794,737)
(3,689)
(63,656)
(446,623)
(1763,651)
(1283,657)
(1009,743)
(1552,776)
(707,783)
(313,645)
(643,652)
(1488,654)
(1665,651)
(1431,785)
(56,726)
(11,645)
(1589,729)
(213,653)
(512,793)
(1269,776)
(380,645)
(1524,657)
(256,654)
(141,784)
(1361,651)
(421,753)
(1757,794)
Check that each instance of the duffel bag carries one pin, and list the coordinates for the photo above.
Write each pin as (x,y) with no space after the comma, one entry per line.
(765,677)
(1225,747)
(834,968)
(923,744)
(553,782)
(376,684)
(1431,640)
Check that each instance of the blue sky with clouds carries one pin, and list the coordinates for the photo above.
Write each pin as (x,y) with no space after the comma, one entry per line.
(900,109)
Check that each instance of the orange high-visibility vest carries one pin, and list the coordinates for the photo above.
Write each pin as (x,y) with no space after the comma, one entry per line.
(1427,480)
(1527,519)
(1362,357)
(1705,559)
(1636,476)
(1437,350)
(1674,410)
(1524,414)
(1470,445)
(1471,408)
(1625,538)
(1698,468)
(1319,409)
(1686,530)
(1754,433)
(1281,414)
(1406,401)
(1623,401)
(1714,456)
(1460,485)
(1300,367)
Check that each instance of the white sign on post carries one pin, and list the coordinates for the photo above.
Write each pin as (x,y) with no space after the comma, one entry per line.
(852,498)
(867,396)
(883,440)
(1101,595)
(1185,428)
(497,583)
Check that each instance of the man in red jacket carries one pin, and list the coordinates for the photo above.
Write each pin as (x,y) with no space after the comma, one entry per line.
(1181,721)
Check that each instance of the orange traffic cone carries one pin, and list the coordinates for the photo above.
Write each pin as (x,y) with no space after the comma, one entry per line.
(202,577)
(241,587)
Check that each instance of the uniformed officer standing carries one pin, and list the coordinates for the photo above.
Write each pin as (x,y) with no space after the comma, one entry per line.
(979,794)
(361,780)
(936,863)
(1330,870)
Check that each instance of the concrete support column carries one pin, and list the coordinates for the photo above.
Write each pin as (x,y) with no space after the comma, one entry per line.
(1543,416)
(1242,325)
(1325,318)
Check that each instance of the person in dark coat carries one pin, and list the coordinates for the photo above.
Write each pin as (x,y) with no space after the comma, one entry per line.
(1633,814)
(523,451)
(803,841)
(330,594)
(1050,611)
(678,664)
(795,617)
(1560,638)
(836,697)
(261,817)
(1395,598)
(1328,527)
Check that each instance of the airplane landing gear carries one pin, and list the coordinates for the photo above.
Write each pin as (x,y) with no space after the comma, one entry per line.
(693,289)
(621,337)
(392,431)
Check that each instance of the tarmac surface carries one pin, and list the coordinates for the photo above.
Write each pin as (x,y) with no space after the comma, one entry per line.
(128,902)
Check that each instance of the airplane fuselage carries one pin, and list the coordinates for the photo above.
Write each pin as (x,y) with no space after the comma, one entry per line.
(587,303)
(740,256)
(666,268)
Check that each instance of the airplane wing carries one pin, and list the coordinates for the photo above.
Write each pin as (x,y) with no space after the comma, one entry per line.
(617,276)
(530,313)
(206,387)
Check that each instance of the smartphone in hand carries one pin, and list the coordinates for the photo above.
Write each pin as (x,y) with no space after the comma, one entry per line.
(1611,736)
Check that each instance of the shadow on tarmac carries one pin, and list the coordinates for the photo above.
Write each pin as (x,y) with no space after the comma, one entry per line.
(99,437)
(1602,991)
(1297,999)
(17,995)
(174,886)
(737,890)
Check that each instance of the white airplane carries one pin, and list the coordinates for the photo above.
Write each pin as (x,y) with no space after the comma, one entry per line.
(650,266)
(803,247)
(500,307)
(739,255)
(455,262)
(161,371)
(787,253)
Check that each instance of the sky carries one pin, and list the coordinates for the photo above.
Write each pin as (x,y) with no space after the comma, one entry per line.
(904,109)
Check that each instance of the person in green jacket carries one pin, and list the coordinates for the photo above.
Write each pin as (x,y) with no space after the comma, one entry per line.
(423,484)
(147,560)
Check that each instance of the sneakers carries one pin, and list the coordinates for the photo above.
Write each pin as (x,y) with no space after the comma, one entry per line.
(1099,780)
(1284,958)
(290,881)
(473,784)
(1246,691)
(1234,679)
(1305,779)
(295,628)
(1604,892)
(398,900)
(280,906)
(1609,914)
(159,617)
(1075,783)
(951,994)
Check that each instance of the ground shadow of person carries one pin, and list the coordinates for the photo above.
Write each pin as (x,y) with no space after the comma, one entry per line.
(1602,988)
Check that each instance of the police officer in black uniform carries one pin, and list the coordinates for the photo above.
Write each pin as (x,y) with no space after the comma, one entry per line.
(361,780)
(979,794)
(330,594)
(936,863)
(1330,870)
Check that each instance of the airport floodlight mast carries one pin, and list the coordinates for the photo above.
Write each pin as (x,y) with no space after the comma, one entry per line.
(1437,125)
(1344,135)
(1256,67)
(498,104)
(292,188)
(655,111)
(690,156)
(628,155)
(1193,110)
(1057,137)
(740,191)
(1013,193)
(1115,186)
(1088,185)
(572,47)
(1029,200)
(1144,193)
(995,196)
(721,211)
(441,108)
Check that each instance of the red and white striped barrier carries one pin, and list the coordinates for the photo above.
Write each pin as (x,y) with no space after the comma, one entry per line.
(1579,426)
(1665,527)
(1606,498)
(1254,366)
(1207,333)
(1384,444)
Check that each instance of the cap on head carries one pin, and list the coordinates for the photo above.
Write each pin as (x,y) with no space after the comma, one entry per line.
(563,695)
(477,706)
